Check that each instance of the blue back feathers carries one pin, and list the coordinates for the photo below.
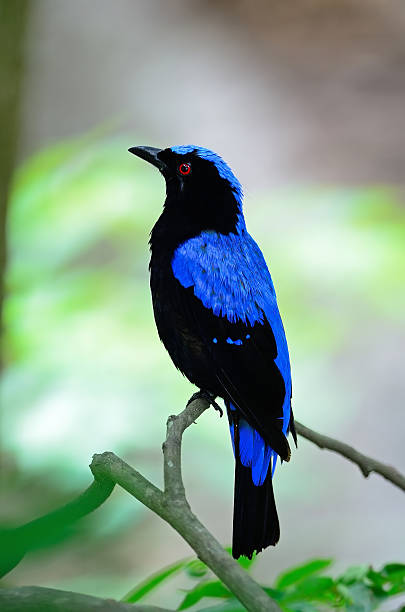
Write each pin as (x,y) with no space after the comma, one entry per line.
(228,273)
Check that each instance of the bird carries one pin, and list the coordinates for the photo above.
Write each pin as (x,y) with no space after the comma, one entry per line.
(216,312)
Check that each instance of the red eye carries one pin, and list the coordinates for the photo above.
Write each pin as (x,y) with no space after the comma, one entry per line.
(185,169)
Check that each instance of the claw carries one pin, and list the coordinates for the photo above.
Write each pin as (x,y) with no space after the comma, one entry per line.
(210,397)
(195,396)
(217,407)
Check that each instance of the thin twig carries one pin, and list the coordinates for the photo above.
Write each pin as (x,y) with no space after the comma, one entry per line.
(176,426)
(366,464)
(40,599)
(172,506)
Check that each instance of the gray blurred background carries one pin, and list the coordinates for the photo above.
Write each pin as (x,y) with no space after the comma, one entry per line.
(312,89)
(306,101)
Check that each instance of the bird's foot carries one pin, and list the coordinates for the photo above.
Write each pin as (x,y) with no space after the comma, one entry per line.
(210,397)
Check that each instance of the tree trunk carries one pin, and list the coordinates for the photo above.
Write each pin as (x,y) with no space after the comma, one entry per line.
(13,18)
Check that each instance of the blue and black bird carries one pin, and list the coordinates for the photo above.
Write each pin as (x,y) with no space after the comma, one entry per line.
(216,313)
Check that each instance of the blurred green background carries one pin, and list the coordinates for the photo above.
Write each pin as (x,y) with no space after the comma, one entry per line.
(84,370)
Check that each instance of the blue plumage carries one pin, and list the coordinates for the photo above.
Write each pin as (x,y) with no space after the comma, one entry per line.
(216,312)
(253,450)
(229,275)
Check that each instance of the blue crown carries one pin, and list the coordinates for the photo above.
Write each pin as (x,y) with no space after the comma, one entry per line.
(224,170)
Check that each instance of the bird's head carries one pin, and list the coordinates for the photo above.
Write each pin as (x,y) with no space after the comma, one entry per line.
(200,187)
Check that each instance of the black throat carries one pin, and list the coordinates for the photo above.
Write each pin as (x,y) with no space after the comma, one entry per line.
(189,212)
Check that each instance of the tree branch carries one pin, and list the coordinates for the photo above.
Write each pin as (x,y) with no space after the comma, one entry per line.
(175,427)
(39,599)
(172,506)
(366,464)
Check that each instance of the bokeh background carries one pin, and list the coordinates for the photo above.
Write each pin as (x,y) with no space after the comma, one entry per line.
(305,100)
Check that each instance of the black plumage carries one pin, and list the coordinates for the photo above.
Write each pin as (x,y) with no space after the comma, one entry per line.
(216,313)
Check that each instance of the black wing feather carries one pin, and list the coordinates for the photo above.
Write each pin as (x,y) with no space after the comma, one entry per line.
(247,374)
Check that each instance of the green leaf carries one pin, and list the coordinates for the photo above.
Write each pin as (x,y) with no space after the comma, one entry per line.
(386,583)
(344,592)
(246,563)
(300,572)
(355,573)
(51,528)
(397,582)
(301,606)
(207,588)
(362,599)
(377,579)
(153,581)
(243,561)
(196,568)
(394,573)
(394,568)
(228,606)
(274,593)
(318,588)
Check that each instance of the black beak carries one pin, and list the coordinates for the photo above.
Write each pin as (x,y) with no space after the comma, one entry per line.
(149,154)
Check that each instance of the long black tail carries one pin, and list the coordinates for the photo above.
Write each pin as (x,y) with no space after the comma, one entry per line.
(255,520)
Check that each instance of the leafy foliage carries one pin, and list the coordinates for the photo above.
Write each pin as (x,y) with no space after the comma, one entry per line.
(154,581)
(295,575)
(47,530)
(299,589)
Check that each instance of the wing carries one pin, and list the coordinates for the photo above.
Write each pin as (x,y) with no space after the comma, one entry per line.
(226,294)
